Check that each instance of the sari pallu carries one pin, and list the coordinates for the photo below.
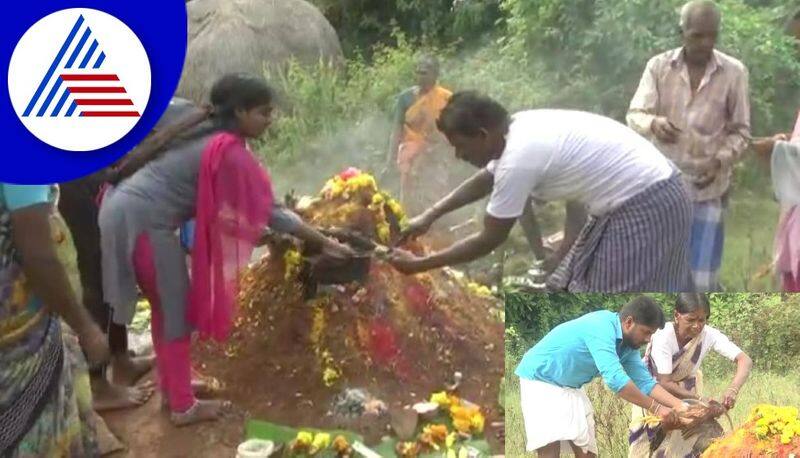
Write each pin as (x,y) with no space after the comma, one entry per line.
(31,352)
(45,399)
(786,185)
(419,158)
(673,445)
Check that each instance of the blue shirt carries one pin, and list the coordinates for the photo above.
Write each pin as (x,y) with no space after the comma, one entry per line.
(15,196)
(575,352)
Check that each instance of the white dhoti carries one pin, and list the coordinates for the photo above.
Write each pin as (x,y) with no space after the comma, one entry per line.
(555,414)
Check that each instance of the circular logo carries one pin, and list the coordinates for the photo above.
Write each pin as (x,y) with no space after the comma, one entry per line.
(79,79)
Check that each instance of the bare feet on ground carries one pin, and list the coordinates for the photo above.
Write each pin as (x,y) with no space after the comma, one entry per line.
(201,411)
(107,396)
(127,370)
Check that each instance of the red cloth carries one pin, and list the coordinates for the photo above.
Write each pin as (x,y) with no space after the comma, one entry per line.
(234,205)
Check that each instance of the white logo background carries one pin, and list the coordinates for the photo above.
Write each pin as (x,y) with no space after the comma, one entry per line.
(34,54)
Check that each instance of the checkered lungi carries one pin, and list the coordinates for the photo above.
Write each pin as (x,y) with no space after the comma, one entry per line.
(643,245)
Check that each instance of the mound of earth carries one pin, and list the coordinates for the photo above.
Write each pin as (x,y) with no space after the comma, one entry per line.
(298,343)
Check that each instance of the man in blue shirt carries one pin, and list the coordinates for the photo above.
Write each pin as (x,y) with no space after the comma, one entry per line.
(604,343)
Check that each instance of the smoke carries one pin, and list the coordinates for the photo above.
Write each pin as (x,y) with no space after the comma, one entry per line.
(361,144)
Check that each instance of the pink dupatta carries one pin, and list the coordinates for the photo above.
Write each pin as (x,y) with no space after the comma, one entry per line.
(234,205)
(787,237)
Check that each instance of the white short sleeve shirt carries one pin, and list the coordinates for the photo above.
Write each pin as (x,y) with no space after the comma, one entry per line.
(572,155)
(665,347)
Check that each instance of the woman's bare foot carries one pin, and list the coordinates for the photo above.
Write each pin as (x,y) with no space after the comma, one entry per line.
(127,370)
(200,411)
(107,396)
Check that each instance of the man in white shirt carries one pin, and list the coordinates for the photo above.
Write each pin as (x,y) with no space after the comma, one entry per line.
(637,234)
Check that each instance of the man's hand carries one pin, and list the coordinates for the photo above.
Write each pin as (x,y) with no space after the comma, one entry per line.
(336,250)
(729,399)
(669,418)
(763,145)
(664,130)
(418,225)
(406,262)
(705,171)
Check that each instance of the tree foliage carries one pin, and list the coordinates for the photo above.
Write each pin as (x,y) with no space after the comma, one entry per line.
(765,326)
(363,23)
(596,50)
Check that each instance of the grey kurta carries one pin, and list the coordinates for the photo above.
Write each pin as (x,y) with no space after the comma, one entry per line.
(156,200)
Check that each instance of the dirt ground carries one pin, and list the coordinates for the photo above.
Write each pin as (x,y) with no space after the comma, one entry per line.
(271,371)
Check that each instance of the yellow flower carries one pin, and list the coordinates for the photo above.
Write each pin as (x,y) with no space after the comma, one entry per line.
(441,398)
(477,423)
(304,438)
(463,425)
(383,232)
(321,441)
(292,261)
(330,376)
(451,439)
(479,290)
(396,208)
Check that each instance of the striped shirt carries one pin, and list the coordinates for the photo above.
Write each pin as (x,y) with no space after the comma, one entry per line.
(715,121)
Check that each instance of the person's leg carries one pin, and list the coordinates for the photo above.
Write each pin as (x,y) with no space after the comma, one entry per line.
(579,453)
(172,356)
(146,278)
(706,243)
(549,451)
(530,226)
(77,208)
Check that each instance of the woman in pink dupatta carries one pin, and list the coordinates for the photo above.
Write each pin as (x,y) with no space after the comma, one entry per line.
(221,184)
(784,150)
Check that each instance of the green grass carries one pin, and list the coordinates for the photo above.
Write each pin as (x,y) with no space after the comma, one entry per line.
(612,415)
(750,229)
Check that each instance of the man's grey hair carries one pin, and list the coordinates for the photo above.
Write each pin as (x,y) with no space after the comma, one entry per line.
(696,8)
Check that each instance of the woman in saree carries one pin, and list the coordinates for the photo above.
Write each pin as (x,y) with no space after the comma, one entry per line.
(783,150)
(416,144)
(45,401)
(210,175)
(674,356)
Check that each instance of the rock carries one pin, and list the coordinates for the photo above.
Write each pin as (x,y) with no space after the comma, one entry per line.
(404,423)
(247,36)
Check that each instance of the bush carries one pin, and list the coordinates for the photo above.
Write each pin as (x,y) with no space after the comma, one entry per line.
(596,50)
(363,23)
(765,326)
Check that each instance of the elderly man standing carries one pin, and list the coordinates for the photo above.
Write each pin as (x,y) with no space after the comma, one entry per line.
(692,102)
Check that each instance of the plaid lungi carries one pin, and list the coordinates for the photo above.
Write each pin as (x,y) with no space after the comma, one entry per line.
(708,237)
(643,245)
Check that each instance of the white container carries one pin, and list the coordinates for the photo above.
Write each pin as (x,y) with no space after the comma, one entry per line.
(255,448)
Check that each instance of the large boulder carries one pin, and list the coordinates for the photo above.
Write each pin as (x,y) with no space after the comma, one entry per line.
(249,35)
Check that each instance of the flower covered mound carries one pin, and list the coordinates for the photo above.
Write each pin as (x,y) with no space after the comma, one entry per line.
(353,200)
(391,334)
(772,431)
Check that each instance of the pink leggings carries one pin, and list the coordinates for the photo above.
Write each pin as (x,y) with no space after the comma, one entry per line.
(791,284)
(173,360)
